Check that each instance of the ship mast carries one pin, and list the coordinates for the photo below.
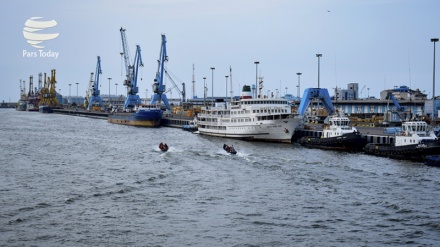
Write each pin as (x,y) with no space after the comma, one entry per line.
(194,84)
(230,78)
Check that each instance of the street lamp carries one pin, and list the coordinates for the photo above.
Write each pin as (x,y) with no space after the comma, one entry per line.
(433,80)
(70,84)
(368,90)
(433,70)
(116,84)
(318,56)
(77,90)
(212,89)
(299,83)
(256,75)
(109,89)
(226,95)
(204,91)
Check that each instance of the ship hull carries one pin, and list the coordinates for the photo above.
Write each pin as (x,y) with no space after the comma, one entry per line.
(45,109)
(269,131)
(143,118)
(21,106)
(432,160)
(347,142)
(415,152)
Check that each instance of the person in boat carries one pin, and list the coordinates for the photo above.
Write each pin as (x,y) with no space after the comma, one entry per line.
(231,148)
(161,145)
(165,146)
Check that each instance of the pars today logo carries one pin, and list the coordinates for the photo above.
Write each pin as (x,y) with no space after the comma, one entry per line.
(35,33)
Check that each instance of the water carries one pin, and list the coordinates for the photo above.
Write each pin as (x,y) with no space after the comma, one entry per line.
(75,181)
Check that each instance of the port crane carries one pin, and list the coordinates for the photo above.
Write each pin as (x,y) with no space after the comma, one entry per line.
(316,94)
(95,87)
(49,94)
(158,87)
(87,98)
(133,98)
(182,93)
(393,117)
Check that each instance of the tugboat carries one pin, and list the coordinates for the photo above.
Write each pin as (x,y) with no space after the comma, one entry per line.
(416,141)
(229,149)
(337,135)
(191,127)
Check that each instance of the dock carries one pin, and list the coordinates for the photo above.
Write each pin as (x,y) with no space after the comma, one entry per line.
(81,113)
(168,120)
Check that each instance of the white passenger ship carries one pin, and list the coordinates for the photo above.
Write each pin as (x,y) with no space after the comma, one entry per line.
(263,119)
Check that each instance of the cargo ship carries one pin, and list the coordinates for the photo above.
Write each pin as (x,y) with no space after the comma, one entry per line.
(144,116)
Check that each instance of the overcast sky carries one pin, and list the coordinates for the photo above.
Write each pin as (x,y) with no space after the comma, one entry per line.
(376,43)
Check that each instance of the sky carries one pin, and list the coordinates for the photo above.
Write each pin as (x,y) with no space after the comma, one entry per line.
(378,44)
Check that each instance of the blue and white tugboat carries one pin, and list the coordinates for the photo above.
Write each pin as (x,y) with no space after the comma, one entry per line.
(336,135)
(416,141)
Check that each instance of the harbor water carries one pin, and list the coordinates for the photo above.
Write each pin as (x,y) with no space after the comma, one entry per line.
(76,181)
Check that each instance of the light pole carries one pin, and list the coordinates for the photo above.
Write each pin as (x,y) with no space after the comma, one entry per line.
(299,83)
(286,92)
(368,90)
(256,75)
(318,56)
(433,70)
(116,84)
(212,85)
(77,90)
(109,89)
(70,84)
(226,95)
(433,81)
(204,91)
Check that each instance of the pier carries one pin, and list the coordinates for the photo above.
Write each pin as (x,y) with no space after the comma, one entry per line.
(168,120)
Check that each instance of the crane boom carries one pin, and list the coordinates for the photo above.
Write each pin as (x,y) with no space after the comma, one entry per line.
(360,96)
(131,74)
(181,92)
(158,87)
(88,91)
(125,51)
(94,91)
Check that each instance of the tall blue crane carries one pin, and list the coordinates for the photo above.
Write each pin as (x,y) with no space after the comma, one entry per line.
(131,73)
(316,94)
(158,87)
(95,87)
